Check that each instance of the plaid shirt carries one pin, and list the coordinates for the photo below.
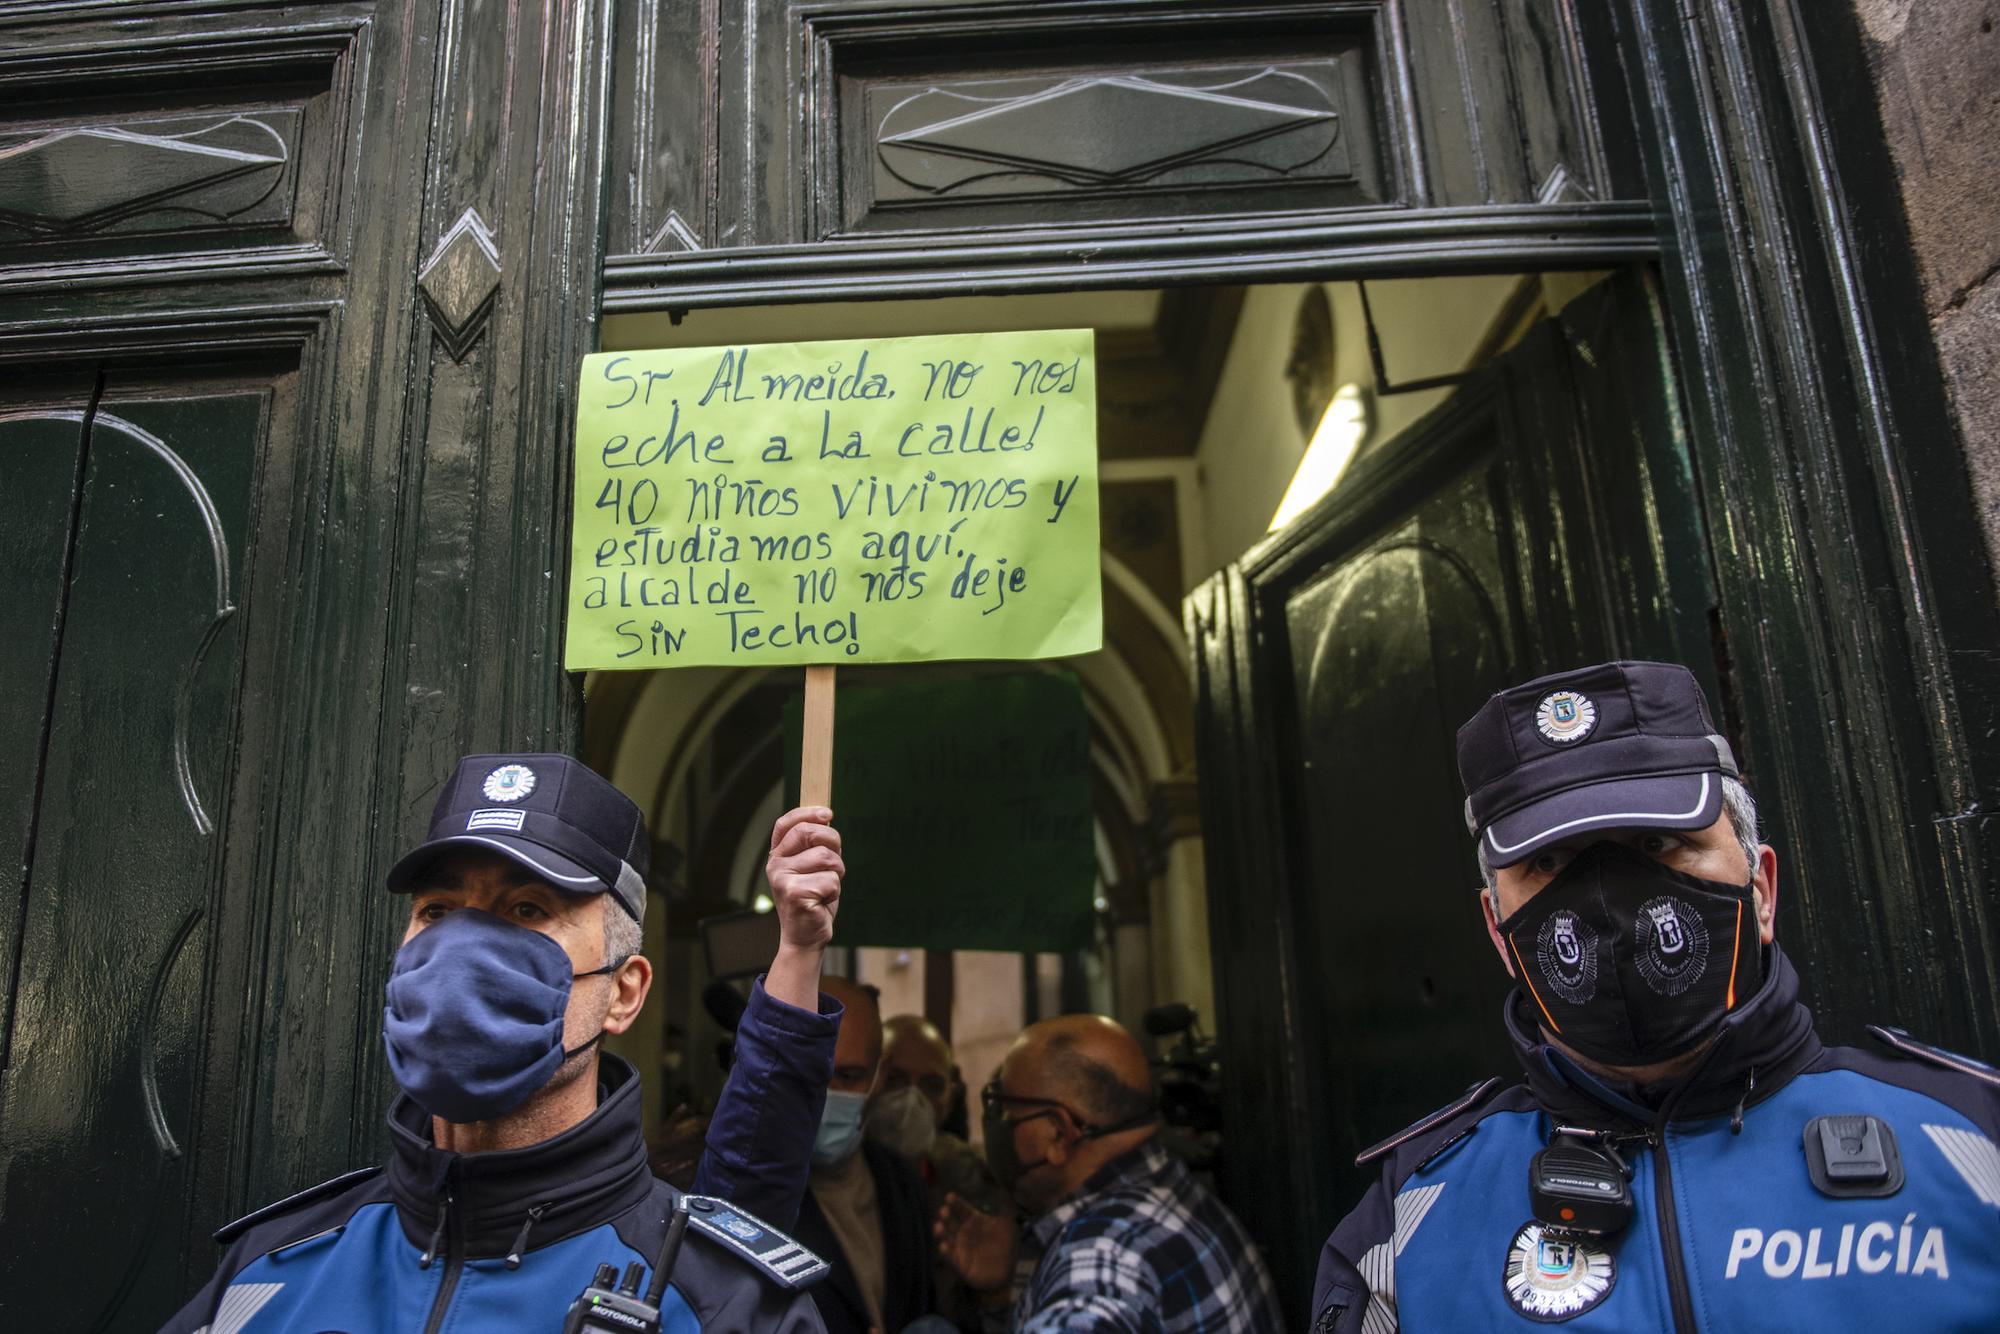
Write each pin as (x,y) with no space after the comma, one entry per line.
(1143,1247)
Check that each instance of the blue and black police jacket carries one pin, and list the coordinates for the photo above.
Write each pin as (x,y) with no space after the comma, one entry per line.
(1737,1224)
(438,1242)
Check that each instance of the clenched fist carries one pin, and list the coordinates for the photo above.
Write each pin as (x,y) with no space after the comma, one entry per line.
(804,871)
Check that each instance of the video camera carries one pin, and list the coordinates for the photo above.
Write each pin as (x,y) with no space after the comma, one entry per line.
(1189,1081)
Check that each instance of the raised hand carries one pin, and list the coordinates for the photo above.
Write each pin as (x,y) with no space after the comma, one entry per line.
(804,871)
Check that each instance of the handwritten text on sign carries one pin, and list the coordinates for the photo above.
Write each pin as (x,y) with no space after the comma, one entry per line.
(878,500)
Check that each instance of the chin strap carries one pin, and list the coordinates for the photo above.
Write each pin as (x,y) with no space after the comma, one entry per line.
(574,1052)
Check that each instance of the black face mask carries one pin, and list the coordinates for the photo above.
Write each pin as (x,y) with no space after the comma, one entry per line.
(1630,962)
(1004,1161)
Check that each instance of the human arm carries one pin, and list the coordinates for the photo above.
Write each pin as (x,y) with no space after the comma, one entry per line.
(758,1150)
(759,1146)
(1096,1285)
(1342,1293)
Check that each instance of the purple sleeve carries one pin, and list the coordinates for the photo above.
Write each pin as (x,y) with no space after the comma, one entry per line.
(759,1145)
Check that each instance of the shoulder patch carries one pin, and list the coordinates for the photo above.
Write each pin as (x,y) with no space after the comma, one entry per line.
(771,1252)
(229,1232)
(1472,1097)
(1901,1041)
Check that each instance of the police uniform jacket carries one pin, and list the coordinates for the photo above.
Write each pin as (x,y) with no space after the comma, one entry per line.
(438,1241)
(1737,1225)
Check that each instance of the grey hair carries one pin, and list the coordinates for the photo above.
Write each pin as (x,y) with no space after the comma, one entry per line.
(1737,803)
(623,935)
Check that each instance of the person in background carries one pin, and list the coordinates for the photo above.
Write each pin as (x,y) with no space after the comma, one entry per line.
(956,1120)
(1119,1236)
(864,1209)
(908,1112)
(915,1058)
(918,1074)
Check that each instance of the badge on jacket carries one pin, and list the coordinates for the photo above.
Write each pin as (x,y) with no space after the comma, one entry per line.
(1556,1275)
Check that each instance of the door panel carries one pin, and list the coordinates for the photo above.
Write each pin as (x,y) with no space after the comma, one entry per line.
(1396,644)
(109,1015)
(41,453)
(1542,518)
(352,250)
(935,144)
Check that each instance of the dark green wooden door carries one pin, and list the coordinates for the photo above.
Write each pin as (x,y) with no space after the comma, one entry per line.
(132,516)
(288,298)
(1543,518)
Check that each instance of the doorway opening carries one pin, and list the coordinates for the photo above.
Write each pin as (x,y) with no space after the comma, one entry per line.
(1225,415)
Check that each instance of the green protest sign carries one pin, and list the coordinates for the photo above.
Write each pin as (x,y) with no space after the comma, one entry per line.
(874,500)
(964,812)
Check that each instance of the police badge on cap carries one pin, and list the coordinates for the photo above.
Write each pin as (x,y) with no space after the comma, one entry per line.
(550,814)
(1565,717)
(510,782)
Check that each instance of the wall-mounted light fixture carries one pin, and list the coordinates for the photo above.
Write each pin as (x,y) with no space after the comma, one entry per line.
(1342,427)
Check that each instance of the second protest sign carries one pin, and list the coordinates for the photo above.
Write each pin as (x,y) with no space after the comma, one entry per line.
(872,500)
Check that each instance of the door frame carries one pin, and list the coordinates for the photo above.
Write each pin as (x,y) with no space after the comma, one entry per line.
(1852,623)
(1832,480)
(1831,477)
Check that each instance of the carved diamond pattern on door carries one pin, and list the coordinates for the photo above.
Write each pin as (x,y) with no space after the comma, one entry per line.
(77,180)
(1103,130)
(459,281)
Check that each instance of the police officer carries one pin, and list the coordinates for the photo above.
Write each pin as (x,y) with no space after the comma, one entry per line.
(1684,1154)
(518,1163)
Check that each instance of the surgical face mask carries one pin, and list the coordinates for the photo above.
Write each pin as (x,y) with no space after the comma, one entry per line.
(839,1128)
(474,1023)
(1629,962)
(903,1121)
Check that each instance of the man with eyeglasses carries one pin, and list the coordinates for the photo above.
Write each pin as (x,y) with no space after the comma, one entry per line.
(1118,1234)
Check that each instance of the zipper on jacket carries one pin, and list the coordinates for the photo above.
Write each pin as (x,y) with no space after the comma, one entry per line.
(454,1261)
(1663,1184)
(1670,1231)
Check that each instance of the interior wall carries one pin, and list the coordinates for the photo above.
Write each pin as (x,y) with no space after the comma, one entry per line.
(1252,442)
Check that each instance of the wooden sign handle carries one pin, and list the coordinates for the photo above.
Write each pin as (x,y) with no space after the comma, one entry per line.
(816,744)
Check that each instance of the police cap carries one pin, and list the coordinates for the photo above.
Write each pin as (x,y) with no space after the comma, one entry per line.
(1618,745)
(549,813)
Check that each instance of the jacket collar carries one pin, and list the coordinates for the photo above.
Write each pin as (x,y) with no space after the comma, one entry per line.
(1757,1050)
(1145,1161)
(581,1178)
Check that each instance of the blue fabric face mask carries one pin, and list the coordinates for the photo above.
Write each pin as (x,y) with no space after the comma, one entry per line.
(474,1023)
(839,1128)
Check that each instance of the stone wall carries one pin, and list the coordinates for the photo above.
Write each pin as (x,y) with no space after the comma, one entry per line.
(1937,79)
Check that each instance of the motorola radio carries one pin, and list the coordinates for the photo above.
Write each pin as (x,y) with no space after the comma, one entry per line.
(604,1309)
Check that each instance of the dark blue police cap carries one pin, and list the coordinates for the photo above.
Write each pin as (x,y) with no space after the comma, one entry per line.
(549,813)
(1618,745)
